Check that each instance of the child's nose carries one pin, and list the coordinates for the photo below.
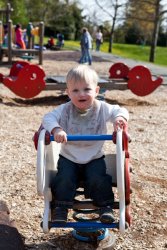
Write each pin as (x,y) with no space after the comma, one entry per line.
(82,92)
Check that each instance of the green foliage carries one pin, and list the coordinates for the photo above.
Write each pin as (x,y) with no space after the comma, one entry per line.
(36,10)
(140,16)
(119,35)
(58,16)
(133,33)
(69,23)
(19,13)
(162,37)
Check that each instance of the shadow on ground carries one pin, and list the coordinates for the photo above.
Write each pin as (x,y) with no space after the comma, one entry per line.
(57,100)
(64,241)
(68,56)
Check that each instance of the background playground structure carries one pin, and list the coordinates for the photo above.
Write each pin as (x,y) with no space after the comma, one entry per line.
(27,80)
(10,49)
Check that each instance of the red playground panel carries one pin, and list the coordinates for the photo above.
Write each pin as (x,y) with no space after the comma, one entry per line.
(119,71)
(25,80)
(140,81)
(139,78)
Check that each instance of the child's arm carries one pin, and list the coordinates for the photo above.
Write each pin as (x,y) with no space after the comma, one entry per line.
(51,120)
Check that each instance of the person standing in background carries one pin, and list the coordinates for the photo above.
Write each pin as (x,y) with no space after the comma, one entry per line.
(99,40)
(86,46)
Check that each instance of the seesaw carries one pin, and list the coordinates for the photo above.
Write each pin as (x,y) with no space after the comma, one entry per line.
(84,228)
(27,80)
(139,78)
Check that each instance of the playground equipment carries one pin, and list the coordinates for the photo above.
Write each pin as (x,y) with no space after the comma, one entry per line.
(85,228)
(6,13)
(138,80)
(25,80)
(11,51)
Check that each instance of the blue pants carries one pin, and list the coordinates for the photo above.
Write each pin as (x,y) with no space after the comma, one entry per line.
(98,43)
(88,56)
(85,56)
(97,184)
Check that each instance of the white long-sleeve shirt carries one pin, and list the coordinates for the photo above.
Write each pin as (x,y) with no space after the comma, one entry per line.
(73,122)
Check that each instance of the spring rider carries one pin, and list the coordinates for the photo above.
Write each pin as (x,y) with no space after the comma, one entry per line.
(85,228)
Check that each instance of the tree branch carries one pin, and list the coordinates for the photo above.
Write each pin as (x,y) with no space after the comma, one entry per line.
(100,6)
(162,12)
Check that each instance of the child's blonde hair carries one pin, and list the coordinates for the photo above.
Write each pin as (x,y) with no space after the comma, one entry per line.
(82,73)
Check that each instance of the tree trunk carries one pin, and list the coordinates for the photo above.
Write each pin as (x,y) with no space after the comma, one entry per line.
(113,27)
(110,42)
(155,32)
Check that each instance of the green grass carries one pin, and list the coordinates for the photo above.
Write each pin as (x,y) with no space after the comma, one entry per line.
(135,52)
(138,52)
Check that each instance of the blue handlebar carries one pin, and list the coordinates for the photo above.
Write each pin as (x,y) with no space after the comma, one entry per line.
(87,137)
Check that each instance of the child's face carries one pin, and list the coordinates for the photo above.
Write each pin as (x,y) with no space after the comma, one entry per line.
(82,94)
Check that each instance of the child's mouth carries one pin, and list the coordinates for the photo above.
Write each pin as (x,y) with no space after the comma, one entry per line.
(82,100)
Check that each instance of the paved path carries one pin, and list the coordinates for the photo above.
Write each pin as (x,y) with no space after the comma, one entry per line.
(155,69)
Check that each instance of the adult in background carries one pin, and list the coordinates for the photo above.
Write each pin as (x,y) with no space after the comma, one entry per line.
(86,46)
(99,40)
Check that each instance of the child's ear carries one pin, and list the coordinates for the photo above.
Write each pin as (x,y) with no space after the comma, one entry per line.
(97,90)
(67,92)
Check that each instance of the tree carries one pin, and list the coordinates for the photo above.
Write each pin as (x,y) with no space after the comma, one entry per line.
(78,20)
(134,34)
(65,18)
(112,11)
(139,14)
(19,11)
(38,10)
(159,12)
(148,13)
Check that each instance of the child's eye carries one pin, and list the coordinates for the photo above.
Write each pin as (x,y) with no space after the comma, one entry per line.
(75,90)
(88,89)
